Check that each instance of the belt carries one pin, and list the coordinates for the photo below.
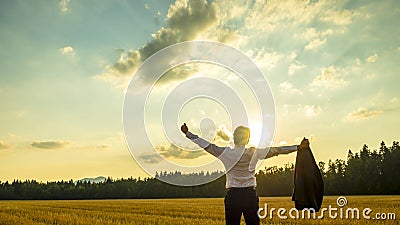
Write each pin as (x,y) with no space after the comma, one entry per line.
(241,188)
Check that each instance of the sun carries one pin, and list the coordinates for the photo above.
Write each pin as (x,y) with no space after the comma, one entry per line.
(255,134)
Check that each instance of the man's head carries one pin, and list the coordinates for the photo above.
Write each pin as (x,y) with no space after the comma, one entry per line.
(241,136)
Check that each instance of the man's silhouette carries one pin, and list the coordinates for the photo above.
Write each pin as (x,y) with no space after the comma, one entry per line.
(239,163)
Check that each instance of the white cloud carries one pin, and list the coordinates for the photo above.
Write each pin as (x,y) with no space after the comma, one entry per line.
(343,17)
(285,110)
(186,20)
(287,88)
(311,110)
(314,37)
(223,133)
(264,59)
(372,58)
(295,67)
(315,43)
(238,24)
(283,143)
(312,33)
(151,158)
(329,78)
(292,55)
(361,114)
(356,68)
(49,144)
(230,36)
(269,16)
(64,5)
(118,82)
(173,151)
(310,137)
(67,50)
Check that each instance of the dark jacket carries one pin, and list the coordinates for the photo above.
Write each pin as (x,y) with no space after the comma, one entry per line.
(308,183)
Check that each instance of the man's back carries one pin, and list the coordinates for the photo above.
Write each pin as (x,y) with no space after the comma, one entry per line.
(240,174)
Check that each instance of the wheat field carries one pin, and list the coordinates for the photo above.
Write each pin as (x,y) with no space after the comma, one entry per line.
(177,211)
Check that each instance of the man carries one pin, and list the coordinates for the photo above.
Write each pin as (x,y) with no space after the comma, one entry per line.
(240,164)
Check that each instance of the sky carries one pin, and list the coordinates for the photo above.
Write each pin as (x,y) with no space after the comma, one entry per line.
(332,68)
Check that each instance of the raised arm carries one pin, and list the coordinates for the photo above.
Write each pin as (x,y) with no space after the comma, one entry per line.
(274,151)
(209,147)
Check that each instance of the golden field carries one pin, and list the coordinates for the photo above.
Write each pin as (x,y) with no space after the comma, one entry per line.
(177,211)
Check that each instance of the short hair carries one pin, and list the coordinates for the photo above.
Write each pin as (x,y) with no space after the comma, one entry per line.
(241,136)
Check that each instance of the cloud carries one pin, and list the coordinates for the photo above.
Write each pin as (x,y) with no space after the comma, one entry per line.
(372,58)
(287,88)
(4,145)
(312,21)
(102,146)
(185,20)
(310,137)
(240,24)
(67,50)
(228,35)
(315,43)
(269,16)
(329,78)
(311,110)
(223,135)
(314,37)
(283,143)
(362,113)
(264,58)
(312,33)
(295,67)
(49,144)
(151,158)
(356,68)
(179,72)
(173,151)
(343,17)
(292,55)
(64,5)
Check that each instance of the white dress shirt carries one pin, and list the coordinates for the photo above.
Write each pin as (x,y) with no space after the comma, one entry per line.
(240,162)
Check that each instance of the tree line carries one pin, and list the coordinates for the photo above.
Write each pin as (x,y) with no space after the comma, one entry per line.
(363,173)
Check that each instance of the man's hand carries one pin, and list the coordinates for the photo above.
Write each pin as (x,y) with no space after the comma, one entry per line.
(304,144)
(184,128)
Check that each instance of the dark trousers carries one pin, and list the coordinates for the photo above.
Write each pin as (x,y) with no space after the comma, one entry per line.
(238,201)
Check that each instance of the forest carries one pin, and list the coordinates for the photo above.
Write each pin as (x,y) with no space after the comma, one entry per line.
(367,172)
